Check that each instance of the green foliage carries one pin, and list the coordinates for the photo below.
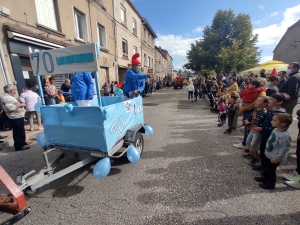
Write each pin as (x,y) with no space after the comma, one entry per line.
(227,45)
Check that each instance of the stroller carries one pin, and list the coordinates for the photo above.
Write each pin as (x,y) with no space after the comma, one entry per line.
(4,121)
(215,105)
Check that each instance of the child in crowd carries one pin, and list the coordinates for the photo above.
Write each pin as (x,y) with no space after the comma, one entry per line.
(226,94)
(196,92)
(201,89)
(277,146)
(211,95)
(222,111)
(272,88)
(249,95)
(190,88)
(293,179)
(243,86)
(255,120)
(237,104)
(118,91)
(60,97)
(231,111)
(275,103)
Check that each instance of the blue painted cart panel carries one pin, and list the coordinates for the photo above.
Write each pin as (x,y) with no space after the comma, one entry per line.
(90,127)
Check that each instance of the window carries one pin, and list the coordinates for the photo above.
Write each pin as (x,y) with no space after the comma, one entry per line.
(80,25)
(124,48)
(145,60)
(134,49)
(149,39)
(101,36)
(152,63)
(145,35)
(123,14)
(152,42)
(134,26)
(149,61)
(46,13)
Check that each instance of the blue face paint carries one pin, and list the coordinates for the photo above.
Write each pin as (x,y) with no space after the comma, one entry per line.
(138,70)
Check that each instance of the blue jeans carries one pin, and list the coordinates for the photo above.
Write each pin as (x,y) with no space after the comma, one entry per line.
(246,114)
(190,95)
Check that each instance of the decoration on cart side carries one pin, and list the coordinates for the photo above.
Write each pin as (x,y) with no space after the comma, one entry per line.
(133,154)
(102,168)
(148,130)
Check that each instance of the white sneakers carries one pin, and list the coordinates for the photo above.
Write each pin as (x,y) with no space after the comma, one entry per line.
(294,156)
(294,184)
(294,176)
(293,180)
(239,146)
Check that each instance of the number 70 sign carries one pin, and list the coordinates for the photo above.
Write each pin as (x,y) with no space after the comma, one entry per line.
(81,58)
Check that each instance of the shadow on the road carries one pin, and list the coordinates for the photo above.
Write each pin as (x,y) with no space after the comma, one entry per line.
(203,167)
(209,218)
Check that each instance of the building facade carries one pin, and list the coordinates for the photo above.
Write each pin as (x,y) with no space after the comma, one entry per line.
(148,49)
(128,34)
(169,65)
(288,48)
(38,25)
(48,24)
(160,64)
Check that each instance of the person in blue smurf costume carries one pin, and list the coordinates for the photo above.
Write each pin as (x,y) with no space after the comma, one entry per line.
(82,88)
(134,79)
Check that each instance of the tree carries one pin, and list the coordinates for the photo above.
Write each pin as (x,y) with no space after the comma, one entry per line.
(226,45)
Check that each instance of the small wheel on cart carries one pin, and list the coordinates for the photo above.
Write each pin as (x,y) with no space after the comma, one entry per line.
(6,126)
(139,142)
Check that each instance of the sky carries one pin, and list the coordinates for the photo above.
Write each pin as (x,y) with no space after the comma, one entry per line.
(178,23)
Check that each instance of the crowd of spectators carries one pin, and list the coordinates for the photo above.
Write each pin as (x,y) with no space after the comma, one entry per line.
(266,105)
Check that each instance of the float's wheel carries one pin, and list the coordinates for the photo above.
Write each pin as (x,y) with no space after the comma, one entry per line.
(139,142)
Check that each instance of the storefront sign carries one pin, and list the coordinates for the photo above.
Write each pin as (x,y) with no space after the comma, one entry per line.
(65,60)
(26,74)
(23,47)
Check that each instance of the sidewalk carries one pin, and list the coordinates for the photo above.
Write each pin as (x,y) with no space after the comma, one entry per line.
(9,141)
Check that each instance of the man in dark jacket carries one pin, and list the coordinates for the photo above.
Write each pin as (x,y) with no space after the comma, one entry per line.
(291,86)
(66,87)
(262,73)
(282,78)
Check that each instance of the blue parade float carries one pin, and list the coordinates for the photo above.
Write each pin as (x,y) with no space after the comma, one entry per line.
(89,133)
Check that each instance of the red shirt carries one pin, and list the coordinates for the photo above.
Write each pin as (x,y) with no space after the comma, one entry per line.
(249,95)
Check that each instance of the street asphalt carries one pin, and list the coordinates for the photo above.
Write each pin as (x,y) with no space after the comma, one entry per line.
(189,173)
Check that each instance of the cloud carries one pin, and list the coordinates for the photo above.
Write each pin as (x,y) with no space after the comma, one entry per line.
(271,34)
(177,46)
(178,53)
(198,29)
(261,7)
(257,22)
(274,14)
(265,58)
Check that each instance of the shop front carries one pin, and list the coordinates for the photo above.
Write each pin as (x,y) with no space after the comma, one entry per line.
(19,50)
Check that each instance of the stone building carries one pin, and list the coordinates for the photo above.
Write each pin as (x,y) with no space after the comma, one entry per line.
(169,64)
(38,25)
(148,48)
(288,48)
(128,35)
(160,64)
